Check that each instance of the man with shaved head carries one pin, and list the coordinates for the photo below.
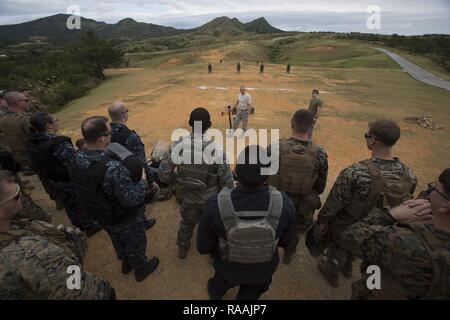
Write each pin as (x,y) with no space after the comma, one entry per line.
(118,113)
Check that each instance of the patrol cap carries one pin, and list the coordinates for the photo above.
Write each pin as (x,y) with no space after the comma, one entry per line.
(249,165)
(200,114)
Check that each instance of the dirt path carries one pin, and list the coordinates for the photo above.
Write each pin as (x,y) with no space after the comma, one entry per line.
(417,72)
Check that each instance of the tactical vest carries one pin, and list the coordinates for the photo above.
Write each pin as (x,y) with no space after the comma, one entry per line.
(382,192)
(195,177)
(297,174)
(439,253)
(120,136)
(73,242)
(14,129)
(90,194)
(42,155)
(249,240)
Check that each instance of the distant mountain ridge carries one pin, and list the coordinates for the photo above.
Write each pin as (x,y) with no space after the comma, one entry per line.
(54,27)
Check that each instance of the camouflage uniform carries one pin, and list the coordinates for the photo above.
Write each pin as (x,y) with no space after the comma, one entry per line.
(406,265)
(36,105)
(307,202)
(160,150)
(314,105)
(64,152)
(355,184)
(128,237)
(34,265)
(193,195)
(134,144)
(14,132)
(29,209)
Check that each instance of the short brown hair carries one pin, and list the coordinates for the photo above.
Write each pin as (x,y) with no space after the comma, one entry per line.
(93,128)
(302,121)
(386,131)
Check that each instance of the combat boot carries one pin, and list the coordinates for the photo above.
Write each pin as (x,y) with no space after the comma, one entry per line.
(141,273)
(182,252)
(287,258)
(93,229)
(149,223)
(332,278)
(126,267)
(211,294)
(347,271)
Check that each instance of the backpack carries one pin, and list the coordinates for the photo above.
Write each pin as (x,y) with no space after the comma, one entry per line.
(249,240)
(439,253)
(383,192)
(72,241)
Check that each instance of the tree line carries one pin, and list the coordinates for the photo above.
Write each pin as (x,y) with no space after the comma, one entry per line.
(58,76)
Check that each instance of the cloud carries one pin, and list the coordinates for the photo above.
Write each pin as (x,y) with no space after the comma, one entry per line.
(401,16)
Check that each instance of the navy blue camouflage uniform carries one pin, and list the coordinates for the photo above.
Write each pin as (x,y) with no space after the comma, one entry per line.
(64,152)
(135,145)
(128,236)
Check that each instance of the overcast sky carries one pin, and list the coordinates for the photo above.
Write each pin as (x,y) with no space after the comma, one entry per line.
(397,16)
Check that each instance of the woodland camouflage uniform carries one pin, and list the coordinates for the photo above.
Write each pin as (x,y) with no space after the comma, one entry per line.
(34,257)
(358,189)
(414,258)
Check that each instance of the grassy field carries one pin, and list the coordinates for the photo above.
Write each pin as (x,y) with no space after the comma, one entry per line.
(359,85)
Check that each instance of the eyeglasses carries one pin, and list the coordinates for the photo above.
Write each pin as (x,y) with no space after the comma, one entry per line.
(432,187)
(15,196)
(105,134)
(370,136)
(123,112)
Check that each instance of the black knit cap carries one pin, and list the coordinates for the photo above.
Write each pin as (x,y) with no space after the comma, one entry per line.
(200,114)
(248,167)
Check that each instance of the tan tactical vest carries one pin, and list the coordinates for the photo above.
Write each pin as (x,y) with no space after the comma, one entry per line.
(73,243)
(14,130)
(297,174)
(196,177)
(392,289)
(383,192)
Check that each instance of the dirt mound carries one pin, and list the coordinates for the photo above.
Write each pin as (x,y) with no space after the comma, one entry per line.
(212,56)
(426,122)
(337,81)
(322,48)
(173,62)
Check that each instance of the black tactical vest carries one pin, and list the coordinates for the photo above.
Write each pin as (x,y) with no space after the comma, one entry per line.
(89,189)
(42,155)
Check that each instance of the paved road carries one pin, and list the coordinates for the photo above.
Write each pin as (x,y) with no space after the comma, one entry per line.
(417,72)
